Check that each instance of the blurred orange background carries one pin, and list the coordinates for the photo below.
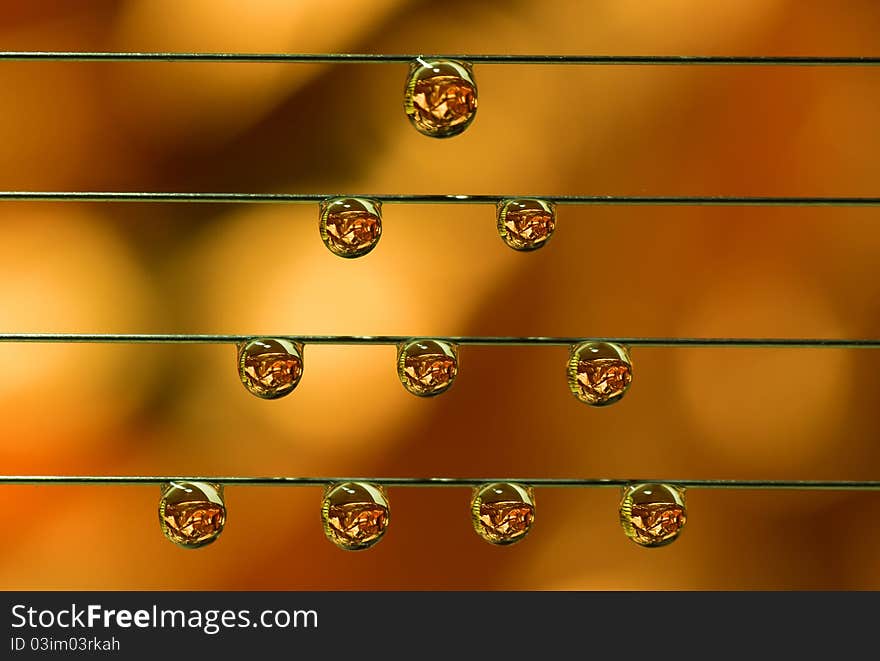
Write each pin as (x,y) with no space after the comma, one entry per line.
(440,270)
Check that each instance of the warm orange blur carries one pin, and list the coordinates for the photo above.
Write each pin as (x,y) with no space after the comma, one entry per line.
(440,270)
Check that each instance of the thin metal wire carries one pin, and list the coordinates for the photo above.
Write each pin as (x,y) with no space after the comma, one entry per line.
(310,198)
(742,342)
(802,485)
(380,58)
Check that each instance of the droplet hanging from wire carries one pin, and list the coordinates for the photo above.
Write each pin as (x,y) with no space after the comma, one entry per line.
(503,512)
(441,97)
(350,226)
(355,514)
(192,514)
(599,373)
(427,367)
(526,224)
(653,514)
(270,368)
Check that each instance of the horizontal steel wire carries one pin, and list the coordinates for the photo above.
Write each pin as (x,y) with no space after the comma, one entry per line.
(797,485)
(311,198)
(380,58)
(702,342)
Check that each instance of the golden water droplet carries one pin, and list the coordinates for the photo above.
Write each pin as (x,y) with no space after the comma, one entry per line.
(441,97)
(526,224)
(427,367)
(355,514)
(503,512)
(192,514)
(350,226)
(270,368)
(652,514)
(599,373)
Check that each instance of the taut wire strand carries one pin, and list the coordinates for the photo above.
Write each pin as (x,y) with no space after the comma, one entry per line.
(701,342)
(310,198)
(797,485)
(382,58)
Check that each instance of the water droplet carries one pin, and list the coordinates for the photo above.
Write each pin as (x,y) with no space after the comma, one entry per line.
(503,512)
(427,367)
(652,514)
(441,97)
(270,368)
(350,226)
(599,373)
(192,514)
(355,514)
(526,224)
